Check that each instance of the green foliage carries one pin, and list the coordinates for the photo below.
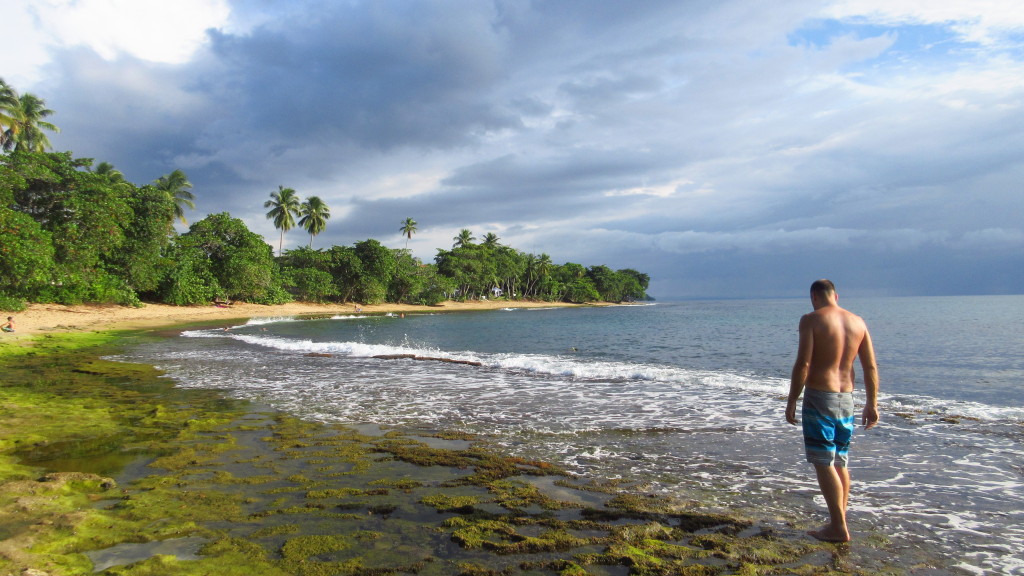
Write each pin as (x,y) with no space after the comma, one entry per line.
(371,291)
(239,260)
(176,188)
(378,261)
(93,286)
(581,290)
(146,236)
(10,303)
(284,207)
(189,281)
(26,254)
(74,235)
(312,285)
(315,214)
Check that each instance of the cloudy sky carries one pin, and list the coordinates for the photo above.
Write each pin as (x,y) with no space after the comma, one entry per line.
(728,148)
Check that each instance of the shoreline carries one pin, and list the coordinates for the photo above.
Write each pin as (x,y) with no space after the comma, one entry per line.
(258,489)
(47,318)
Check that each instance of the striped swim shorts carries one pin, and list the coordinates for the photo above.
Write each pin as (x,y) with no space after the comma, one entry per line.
(828,426)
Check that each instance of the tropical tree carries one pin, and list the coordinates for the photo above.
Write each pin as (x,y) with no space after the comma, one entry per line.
(491,240)
(176,186)
(107,169)
(315,215)
(8,102)
(464,239)
(378,267)
(408,229)
(284,207)
(221,257)
(537,269)
(22,119)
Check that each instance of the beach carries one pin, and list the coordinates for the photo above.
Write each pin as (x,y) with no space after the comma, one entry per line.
(550,440)
(43,318)
(109,467)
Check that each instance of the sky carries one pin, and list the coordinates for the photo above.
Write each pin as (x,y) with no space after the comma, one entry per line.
(727,148)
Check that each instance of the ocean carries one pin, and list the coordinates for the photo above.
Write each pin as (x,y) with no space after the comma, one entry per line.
(681,398)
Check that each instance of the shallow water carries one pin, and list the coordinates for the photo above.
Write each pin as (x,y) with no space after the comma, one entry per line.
(682,398)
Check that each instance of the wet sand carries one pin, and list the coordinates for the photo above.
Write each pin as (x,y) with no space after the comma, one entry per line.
(43,318)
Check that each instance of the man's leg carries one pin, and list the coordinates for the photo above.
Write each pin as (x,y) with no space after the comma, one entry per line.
(844,479)
(835,488)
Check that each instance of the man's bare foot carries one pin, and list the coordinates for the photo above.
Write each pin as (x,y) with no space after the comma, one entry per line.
(829,534)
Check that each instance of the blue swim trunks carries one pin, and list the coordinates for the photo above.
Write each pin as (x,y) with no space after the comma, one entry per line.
(828,426)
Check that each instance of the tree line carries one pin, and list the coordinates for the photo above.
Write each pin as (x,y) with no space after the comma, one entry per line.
(72,232)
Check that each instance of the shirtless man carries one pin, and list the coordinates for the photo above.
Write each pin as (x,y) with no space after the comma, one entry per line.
(830,338)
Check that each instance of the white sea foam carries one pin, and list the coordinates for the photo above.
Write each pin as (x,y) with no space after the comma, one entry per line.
(570,367)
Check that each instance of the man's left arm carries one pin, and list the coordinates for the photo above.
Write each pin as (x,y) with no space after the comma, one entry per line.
(866,352)
(801,367)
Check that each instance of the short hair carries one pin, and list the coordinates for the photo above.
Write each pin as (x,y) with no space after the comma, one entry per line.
(823,287)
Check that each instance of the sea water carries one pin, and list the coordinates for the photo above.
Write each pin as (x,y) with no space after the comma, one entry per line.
(684,399)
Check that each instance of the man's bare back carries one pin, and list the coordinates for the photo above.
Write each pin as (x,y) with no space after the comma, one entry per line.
(837,337)
(830,339)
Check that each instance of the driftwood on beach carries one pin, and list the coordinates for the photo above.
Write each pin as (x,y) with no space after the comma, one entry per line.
(425,358)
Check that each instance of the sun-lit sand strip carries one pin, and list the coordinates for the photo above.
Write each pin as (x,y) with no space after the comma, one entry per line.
(42,318)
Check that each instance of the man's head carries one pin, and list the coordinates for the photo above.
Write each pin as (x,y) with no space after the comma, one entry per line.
(823,292)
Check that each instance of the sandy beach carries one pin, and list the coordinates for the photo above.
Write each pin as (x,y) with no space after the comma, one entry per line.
(43,318)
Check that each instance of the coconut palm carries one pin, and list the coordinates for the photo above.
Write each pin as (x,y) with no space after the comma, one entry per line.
(22,119)
(107,169)
(491,240)
(408,229)
(315,215)
(8,101)
(464,239)
(176,185)
(537,268)
(284,207)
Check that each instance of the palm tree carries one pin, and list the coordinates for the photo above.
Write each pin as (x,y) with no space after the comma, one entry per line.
(465,238)
(315,215)
(23,117)
(107,169)
(176,185)
(284,205)
(491,239)
(408,229)
(537,268)
(8,102)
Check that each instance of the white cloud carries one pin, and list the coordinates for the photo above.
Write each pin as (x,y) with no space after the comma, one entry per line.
(151,30)
(986,22)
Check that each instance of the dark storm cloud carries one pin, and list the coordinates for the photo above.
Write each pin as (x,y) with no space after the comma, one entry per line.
(708,144)
(417,75)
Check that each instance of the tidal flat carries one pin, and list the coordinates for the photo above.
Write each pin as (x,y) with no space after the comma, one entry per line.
(108,468)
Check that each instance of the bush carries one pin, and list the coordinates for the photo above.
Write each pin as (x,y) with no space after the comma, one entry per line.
(372,292)
(432,297)
(582,291)
(11,304)
(26,254)
(189,283)
(312,285)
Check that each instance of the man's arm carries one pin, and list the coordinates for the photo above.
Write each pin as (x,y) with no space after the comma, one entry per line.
(866,352)
(801,368)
